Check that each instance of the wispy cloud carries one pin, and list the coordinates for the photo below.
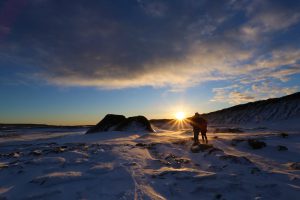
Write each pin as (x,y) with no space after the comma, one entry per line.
(268,16)
(237,94)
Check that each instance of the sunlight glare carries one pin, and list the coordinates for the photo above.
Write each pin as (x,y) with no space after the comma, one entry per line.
(180,115)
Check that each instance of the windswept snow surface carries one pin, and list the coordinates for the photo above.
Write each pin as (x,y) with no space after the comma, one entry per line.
(136,165)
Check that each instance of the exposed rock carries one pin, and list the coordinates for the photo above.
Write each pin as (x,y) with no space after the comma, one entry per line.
(109,121)
(59,149)
(218,196)
(283,135)
(120,123)
(200,147)
(282,148)
(295,165)
(174,161)
(236,159)
(256,144)
(182,160)
(14,155)
(144,145)
(136,123)
(141,145)
(36,152)
(235,141)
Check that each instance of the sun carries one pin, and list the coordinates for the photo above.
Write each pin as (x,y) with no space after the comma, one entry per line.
(180,115)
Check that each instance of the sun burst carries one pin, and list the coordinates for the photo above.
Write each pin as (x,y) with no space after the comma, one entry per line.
(180,115)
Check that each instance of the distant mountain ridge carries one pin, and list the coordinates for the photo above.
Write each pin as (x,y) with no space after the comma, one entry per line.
(284,110)
(9,127)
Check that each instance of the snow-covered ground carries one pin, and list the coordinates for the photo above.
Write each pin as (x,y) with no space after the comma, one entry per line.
(134,165)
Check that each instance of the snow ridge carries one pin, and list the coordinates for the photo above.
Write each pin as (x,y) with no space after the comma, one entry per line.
(266,112)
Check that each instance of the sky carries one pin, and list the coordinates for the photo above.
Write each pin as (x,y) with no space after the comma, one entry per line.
(72,62)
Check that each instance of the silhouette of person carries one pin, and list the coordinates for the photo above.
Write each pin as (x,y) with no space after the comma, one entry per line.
(199,124)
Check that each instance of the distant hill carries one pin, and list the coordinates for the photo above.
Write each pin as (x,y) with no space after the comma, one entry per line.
(275,112)
(279,113)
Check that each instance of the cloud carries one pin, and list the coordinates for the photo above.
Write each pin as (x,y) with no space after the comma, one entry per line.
(273,15)
(173,44)
(284,74)
(237,94)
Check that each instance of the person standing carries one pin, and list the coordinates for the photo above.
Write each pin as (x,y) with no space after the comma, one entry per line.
(199,124)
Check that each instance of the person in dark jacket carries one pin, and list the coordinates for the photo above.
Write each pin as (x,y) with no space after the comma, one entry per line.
(199,124)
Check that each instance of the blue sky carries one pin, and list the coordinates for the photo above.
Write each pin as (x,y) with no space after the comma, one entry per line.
(73,62)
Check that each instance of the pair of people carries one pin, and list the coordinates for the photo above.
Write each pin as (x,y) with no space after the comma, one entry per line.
(199,124)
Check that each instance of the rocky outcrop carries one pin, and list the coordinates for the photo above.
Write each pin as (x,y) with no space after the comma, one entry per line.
(256,144)
(282,148)
(113,122)
(136,123)
(295,166)
(201,147)
(107,123)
